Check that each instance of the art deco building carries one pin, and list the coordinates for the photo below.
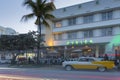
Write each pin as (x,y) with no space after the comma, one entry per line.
(91,26)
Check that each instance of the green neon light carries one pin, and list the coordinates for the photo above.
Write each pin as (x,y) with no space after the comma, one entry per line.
(76,42)
(79,42)
(91,41)
(115,41)
(85,41)
(68,42)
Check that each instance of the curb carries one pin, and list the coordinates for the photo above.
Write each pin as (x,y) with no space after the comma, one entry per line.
(52,67)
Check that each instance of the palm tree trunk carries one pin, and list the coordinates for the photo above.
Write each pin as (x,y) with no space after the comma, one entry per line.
(39,40)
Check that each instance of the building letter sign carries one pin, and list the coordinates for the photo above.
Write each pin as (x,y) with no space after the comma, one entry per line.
(79,42)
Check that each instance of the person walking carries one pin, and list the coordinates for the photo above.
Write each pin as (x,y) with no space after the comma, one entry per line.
(106,57)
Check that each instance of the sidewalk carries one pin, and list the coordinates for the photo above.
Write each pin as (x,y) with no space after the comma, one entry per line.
(47,67)
(44,67)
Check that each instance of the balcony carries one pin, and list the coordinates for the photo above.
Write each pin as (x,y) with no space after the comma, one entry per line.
(97,24)
(82,41)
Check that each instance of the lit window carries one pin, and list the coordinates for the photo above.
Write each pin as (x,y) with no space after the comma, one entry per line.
(58,24)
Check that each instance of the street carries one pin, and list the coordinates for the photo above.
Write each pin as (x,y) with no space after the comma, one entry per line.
(47,73)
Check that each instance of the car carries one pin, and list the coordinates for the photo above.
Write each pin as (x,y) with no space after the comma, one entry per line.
(88,63)
(6,61)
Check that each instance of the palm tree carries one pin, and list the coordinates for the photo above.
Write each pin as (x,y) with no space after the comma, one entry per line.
(42,11)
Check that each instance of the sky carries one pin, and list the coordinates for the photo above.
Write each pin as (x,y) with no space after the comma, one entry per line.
(11,12)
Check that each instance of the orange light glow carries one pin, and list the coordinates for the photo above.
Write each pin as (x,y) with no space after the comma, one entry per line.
(50,43)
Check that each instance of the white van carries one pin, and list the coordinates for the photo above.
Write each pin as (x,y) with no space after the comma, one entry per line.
(6,61)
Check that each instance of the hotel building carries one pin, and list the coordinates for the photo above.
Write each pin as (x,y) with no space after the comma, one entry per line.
(91,26)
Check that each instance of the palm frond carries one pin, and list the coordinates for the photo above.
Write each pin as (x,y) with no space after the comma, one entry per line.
(44,2)
(51,6)
(25,2)
(42,5)
(49,16)
(37,21)
(41,9)
(38,2)
(45,23)
(28,16)
(30,4)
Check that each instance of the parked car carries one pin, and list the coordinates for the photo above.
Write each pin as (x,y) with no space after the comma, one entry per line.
(88,63)
(6,61)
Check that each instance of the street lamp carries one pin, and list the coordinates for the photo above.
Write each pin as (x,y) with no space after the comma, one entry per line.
(116,52)
(65,49)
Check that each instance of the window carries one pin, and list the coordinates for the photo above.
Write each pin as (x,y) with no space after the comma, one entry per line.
(83,60)
(88,33)
(107,15)
(88,19)
(64,9)
(58,24)
(55,37)
(90,60)
(58,36)
(72,35)
(106,31)
(72,21)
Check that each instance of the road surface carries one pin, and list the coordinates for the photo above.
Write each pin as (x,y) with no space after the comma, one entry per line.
(55,74)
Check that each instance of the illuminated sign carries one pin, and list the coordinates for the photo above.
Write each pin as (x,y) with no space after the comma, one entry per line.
(79,42)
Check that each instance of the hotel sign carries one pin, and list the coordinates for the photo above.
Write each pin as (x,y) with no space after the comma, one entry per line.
(81,42)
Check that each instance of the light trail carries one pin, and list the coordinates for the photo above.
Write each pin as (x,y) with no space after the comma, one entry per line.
(10,77)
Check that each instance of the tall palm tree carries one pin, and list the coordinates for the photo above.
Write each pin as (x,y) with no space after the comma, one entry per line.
(41,9)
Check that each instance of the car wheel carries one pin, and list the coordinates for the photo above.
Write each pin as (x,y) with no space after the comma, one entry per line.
(101,69)
(68,68)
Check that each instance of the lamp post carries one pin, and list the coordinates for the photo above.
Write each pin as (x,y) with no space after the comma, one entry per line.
(65,49)
(116,52)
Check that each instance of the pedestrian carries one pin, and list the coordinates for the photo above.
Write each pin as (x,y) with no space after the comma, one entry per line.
(117,61)
(105,57)
(29,60)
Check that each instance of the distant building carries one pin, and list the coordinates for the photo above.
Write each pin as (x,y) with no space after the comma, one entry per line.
(4,54)
(7,31)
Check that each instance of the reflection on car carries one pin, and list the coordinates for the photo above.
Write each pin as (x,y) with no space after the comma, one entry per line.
(88,63)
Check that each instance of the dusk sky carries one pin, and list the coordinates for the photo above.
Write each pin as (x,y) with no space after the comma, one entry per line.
(11,12)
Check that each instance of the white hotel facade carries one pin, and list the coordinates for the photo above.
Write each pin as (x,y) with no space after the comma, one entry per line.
(93,24)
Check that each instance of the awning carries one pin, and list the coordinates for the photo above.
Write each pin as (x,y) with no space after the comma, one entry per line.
(77,51)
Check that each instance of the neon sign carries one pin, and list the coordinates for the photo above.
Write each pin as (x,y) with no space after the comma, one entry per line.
(79,42)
